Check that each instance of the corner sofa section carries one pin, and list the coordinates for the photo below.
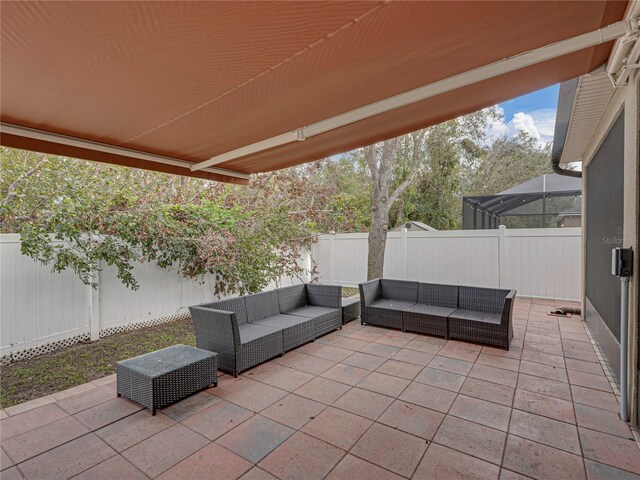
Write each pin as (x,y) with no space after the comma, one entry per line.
(482,315)
(246,331)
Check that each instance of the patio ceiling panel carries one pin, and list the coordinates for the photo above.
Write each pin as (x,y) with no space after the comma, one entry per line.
(190,81)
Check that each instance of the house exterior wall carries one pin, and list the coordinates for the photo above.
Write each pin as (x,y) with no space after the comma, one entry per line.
(624,102)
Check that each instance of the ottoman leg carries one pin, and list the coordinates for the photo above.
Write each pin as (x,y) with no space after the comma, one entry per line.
(153,412)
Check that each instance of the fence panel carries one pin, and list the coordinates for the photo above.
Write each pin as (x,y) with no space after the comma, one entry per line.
(537,262)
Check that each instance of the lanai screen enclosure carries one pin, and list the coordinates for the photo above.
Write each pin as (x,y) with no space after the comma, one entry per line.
(535,203)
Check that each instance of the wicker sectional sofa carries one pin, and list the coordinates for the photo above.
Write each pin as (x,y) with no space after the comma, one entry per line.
(482,315)
(246,331)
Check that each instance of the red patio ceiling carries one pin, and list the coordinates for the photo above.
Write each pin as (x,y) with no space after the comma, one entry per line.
(192,80)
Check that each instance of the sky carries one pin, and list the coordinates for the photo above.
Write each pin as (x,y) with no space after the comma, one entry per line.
(534,113)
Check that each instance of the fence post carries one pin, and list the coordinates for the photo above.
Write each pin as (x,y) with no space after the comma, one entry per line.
(94,309)
(502,255)
(403,231)
(332,249)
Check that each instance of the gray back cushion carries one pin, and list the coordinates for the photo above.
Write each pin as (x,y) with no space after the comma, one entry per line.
(292,297)
(399,290)
(262,305)
(235,304)
(482,299)
(438,295)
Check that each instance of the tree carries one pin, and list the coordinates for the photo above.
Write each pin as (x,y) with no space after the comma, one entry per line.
(79,215)
(380,160)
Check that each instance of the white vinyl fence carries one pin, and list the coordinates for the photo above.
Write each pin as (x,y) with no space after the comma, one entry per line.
(537,262)
(41,310)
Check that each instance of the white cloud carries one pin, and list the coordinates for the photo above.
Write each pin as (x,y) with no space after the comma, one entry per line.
(539,124)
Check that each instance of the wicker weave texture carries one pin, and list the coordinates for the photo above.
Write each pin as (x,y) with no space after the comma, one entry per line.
(329,296)
(438,295)
(399,290)
(262,305)
(350,309)
(383,317)
(292,297)
(160,378)
(424,323)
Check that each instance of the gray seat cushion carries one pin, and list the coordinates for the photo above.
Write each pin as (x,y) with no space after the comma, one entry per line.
(251,331)
(391,304)
(476,316)
(310,311)
(282,321)
(431,310)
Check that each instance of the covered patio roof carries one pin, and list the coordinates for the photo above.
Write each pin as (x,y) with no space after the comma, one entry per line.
(191,88)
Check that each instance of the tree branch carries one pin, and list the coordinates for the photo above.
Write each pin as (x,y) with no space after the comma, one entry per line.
(11,191)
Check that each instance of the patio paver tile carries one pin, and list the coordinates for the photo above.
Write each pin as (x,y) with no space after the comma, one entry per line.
(413,356)
(600,471)
(506,363)
(509,475)
(212,461)
(493,392)
(302,456)
(354,468)
(395,339)
(544,358)
(462,351)
(88,399)
(471,438)
(32,419)
(544,386)
(68,459)
(587,356)
(247,393)
(602,421)
(400,369)
(428,396)
(444,463)
(381,350)
(12,474)
(350,343)
(346,374)
(112,469)
(453,365)
(108,412)
(589,380)
(481,411)
(5,461)
(31,404)
(595,398)
(293,411)
(582,366)
(164,449)
(257,474)
(384,384)
(337,427)
(554,433)
(545,405)
(425,347)
(323,390)
(441,378)
(131,430)
(364,403)
(541,461)
(288,379)
(255,438)
(611,450)
(37,441)
(218,419)
(413,419)
(325,351)
(545,371)
(364,360)
(495,375)
(391,449)
(305,363)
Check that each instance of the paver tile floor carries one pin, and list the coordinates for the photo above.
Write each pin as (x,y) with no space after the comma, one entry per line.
(359,403)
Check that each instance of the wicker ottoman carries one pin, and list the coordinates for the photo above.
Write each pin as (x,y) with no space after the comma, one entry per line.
(350,309)
(160,378)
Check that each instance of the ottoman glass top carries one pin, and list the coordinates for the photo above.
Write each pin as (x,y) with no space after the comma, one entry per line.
(160,362)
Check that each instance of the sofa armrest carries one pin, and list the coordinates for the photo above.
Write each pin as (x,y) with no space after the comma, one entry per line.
(370,292)
(216,330)
(329,296)
(507,309)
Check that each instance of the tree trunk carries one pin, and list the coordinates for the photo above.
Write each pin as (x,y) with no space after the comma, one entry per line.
(377,239)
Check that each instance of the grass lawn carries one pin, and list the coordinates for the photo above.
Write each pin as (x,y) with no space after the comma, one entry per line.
(82,363)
